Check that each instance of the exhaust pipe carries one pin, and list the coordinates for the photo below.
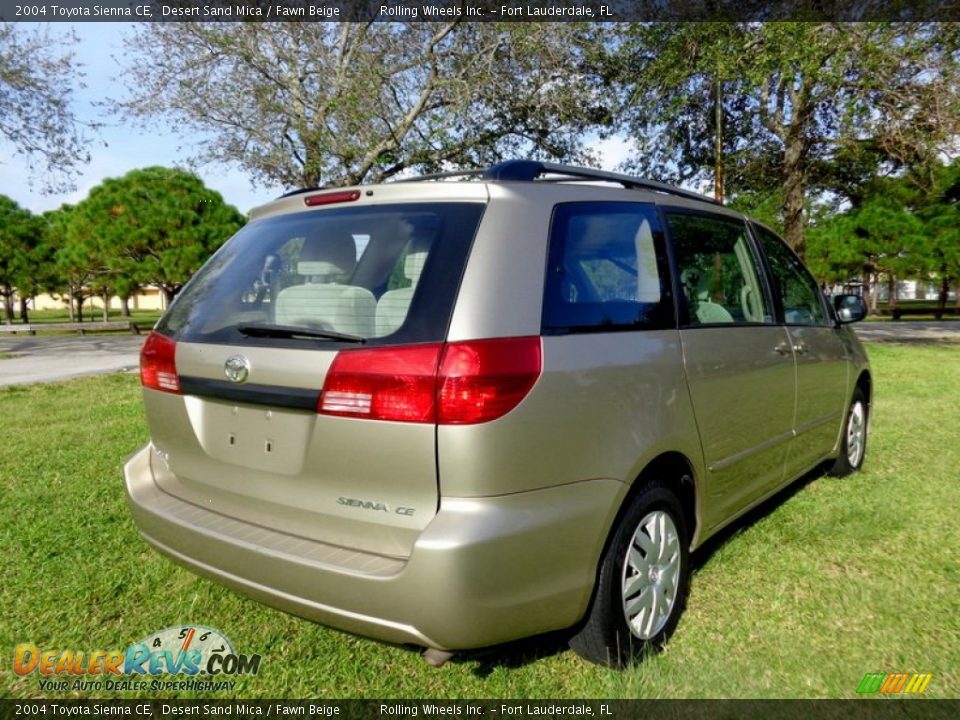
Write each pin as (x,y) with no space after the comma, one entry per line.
(436,658)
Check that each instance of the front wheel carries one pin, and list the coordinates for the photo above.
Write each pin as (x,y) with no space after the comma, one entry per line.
(642,583)
(853,444)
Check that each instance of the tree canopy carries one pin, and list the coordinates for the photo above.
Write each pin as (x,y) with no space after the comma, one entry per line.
(305,104)
(152,226)
(795,107)
(18,233)
(36,118)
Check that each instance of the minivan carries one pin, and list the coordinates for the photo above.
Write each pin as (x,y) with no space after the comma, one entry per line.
(467,408)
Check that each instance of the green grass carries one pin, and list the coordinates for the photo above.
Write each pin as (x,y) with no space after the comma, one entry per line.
(838,578)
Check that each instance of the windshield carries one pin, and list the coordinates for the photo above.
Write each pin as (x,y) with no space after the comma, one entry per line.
(372,274)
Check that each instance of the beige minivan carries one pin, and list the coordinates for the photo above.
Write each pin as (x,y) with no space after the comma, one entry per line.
(480,406)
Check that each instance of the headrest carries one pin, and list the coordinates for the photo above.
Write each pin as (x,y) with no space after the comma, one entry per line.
(413,266)
(318,267)
(328,255)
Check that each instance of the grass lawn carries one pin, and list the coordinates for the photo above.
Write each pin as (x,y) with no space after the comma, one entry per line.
(836,579)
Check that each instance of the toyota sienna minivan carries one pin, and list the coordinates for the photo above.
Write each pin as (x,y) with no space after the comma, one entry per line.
(469,408)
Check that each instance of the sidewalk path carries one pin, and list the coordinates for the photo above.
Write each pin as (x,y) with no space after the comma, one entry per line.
(43,359)
(929,331)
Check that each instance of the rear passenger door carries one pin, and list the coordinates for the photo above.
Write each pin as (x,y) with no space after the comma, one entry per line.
(820,352)
(738,360)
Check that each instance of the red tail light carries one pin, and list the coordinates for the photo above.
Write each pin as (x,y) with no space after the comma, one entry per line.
(458,383)
(482,380)
(398,383)
(158,367)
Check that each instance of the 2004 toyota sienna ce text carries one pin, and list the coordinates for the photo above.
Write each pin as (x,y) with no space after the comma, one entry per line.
(457,412)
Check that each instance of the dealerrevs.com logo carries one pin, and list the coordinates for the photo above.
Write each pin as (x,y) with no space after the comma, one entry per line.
(199,658)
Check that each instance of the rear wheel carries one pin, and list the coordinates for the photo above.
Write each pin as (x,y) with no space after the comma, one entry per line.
(853,444)
(642,584)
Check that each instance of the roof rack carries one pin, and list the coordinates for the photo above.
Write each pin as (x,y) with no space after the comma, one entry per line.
(528,170)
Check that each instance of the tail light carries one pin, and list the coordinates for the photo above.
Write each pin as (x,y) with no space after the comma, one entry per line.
(396,383)
(158,367)
(485,379)
(456,383)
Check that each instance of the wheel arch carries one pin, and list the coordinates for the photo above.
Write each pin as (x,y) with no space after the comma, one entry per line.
(677,471)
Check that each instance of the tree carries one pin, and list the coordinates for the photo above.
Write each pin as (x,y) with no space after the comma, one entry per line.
(305,104)
(938,207)
(881,236)
(153,226)
(17,237)
(796,98)
(74,267)
(36,119)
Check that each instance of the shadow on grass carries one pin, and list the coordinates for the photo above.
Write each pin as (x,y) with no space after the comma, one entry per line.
(702,555)
(514,654)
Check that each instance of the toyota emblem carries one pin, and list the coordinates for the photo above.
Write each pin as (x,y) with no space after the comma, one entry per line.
(236,368)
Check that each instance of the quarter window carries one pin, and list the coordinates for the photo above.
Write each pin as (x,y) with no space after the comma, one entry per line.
(792,283)
(606,269)
(718,271)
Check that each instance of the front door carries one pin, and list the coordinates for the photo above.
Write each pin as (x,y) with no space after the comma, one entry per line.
(821,355)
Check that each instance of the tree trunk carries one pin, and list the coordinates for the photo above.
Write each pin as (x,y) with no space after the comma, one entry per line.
(8,305)
(125,307)
(794,184)
(956,294)
(944,293)
(106,306)
(891,290)
(168,295)
(70,312)
(79,299)
(24,311)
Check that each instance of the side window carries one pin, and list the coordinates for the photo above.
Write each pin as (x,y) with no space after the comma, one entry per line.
(718,271)
(606,269)
(792,283)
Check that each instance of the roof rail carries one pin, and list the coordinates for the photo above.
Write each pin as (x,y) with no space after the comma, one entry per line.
(528,170)
(443,175)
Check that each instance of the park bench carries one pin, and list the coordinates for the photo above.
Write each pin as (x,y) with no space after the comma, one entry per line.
(938,313)
(80,328)
(18,329)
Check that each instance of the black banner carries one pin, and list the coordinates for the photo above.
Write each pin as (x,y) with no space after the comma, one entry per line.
(887,709)
(474,10)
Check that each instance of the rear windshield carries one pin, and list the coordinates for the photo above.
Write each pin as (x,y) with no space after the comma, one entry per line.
(383,274)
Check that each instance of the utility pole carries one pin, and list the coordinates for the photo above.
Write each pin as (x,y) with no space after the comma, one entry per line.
(718,141)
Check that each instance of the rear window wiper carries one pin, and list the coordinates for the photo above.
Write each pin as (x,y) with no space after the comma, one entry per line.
(292,331)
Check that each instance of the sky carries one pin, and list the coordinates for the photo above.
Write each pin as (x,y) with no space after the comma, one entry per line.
(120,146)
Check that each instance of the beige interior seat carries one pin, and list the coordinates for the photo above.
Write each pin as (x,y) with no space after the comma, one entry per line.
(394,304)
(323,300)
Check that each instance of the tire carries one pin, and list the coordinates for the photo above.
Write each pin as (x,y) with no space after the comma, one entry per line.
(853,443)
(645,562)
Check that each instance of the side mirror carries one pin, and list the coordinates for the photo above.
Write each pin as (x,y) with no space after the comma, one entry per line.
(850,308)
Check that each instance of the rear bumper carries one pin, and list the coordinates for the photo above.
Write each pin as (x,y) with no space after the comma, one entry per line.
(484,571)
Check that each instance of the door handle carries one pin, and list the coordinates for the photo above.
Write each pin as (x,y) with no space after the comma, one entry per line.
(783,349)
